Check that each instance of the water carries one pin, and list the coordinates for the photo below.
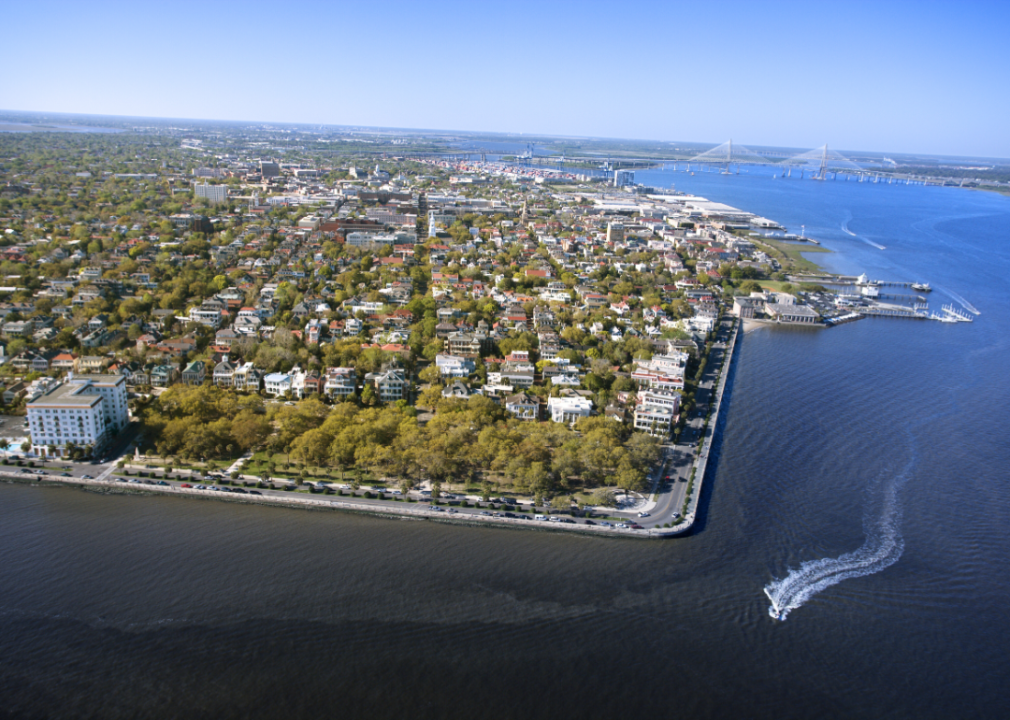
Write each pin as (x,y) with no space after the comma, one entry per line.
(860,482)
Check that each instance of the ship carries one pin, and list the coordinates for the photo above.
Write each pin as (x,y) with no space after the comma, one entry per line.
(922,287)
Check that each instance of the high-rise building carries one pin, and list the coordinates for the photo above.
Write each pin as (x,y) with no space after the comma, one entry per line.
(211,193)
(269,169)
(624,177)
(84,410)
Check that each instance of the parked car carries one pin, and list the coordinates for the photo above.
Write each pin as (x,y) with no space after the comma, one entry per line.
(186,485)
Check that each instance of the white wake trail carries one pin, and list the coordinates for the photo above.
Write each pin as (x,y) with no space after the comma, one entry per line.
(845,229)
(958,299)
(884,545)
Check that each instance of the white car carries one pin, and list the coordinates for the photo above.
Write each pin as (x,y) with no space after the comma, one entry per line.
(643,514)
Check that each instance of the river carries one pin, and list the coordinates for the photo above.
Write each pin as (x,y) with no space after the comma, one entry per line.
(859,480)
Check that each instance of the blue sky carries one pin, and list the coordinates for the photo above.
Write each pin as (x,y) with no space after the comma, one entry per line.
(916,77)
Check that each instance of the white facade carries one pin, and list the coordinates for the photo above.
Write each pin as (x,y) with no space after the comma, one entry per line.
(569,409)
(211,193)
(277,383)
(84,410)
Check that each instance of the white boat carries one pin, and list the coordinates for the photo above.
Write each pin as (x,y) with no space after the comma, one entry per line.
(922,287)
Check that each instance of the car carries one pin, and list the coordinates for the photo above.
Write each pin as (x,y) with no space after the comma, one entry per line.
(590,522)
(27,470)
(65,475)
(186,485)
(485,512)
(554,518)
(452,510)
(42,472)
(636,526)
(395,492)
(86,477)
(255,492)
(201,487)
(135,481)
(676,515)
(240,491)
(643,514)
(623,526)
(539,517)
(121,480)
(163,483)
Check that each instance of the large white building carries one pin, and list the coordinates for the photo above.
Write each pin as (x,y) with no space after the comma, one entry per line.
(211,193)
(569,409)
(84,410)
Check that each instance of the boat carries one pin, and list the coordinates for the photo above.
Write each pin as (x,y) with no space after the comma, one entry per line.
(922,287)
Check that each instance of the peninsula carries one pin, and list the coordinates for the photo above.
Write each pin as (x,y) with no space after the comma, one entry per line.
(408,333)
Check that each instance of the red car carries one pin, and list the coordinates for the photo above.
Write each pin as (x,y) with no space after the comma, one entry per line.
(186,485)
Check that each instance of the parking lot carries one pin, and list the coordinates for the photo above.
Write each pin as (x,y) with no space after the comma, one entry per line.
(12,428)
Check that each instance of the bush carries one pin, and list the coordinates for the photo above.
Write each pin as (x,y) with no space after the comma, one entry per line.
(368,494)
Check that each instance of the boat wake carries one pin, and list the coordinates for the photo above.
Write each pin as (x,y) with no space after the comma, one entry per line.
(845,229)
(958,299)
(884,545)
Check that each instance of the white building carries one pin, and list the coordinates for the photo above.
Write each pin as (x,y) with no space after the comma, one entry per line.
(454,366)
(84,410)
(211,193)
(569,409)
(277,383)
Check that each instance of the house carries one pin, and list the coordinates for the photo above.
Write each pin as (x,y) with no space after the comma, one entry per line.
(454,366)
(339,382)
(456,390)
(390,385)
(522,407)
(277,384)
(246,378)
(569,409)
(164,375)
(63,361)
(91,364)
(468,344)
(194,373)
(223,372)
(14,391)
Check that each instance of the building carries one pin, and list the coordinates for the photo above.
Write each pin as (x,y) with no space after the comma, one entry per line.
(211,193)
(522,407)
(623,178)
(277,383)
(792,313)
(569,409)
(84,410)
(223,373)
(340,382)
(454,366)
(194,373)
(390,385)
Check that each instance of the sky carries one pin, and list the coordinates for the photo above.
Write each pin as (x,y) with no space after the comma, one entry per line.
(901,77)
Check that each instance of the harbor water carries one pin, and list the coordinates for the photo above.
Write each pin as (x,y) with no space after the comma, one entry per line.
(850,562)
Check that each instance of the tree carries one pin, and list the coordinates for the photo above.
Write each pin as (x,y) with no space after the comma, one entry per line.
(431,374)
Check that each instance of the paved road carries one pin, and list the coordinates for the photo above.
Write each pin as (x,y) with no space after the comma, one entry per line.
(679,458)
